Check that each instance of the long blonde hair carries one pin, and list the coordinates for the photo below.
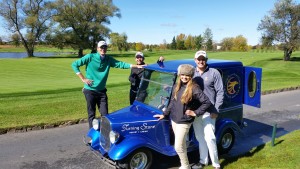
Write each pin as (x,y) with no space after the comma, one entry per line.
(188,92)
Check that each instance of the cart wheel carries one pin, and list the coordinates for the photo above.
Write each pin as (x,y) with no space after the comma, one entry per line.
(139,159)
(226,141)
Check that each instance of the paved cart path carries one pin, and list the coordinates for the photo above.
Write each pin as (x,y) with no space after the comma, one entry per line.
(63,148)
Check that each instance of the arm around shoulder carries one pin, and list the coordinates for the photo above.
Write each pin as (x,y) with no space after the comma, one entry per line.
(204,103)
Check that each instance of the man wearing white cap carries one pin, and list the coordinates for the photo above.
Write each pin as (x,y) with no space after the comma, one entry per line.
(135,76)
(210,81)
(97,69)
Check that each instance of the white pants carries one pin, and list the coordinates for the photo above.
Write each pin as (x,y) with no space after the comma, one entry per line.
(180,132)
(204,128)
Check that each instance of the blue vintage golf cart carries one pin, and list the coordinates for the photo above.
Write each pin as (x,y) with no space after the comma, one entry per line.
(127,138)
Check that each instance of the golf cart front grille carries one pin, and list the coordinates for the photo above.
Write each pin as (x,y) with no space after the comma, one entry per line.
(105,128)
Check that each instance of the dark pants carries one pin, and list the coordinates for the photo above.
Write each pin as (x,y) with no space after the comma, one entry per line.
(94,98)
(132,96)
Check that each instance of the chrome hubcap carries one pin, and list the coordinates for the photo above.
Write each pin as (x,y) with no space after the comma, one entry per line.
(138,161)
(226,140)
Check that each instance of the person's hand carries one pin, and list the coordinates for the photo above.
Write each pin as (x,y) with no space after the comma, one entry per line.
(213,115)
(159,116)
(161,59)
(140,66)
(88,81)
(190,113)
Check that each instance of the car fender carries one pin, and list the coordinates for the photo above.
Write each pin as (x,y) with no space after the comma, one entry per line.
(223,124)
(121,150)
(95,137)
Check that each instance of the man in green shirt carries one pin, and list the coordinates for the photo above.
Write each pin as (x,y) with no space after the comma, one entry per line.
(97,70)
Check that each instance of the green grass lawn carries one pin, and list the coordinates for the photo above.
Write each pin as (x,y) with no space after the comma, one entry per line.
(37,91)
(284,155)
(46,90)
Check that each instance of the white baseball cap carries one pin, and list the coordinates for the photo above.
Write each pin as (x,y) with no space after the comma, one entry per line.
(102,43)
(200,53)
(139,54)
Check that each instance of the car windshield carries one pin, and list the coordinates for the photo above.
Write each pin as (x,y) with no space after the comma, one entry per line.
(156,88)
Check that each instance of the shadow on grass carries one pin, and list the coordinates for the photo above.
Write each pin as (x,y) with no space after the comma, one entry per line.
(252,140)
(228,160)
(40,92)
(293,59)
(56,91)
(297,59)
(278,142)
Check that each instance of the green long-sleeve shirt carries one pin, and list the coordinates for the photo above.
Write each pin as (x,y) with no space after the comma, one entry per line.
(97,69)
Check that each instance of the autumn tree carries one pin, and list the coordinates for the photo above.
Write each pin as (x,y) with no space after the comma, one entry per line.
(227,43)
(29,19)
(15,38)
(139,46)
(240,44)
(189,42)
(282,26)
(119,42)
(180,41)
(132,45)
(82,23)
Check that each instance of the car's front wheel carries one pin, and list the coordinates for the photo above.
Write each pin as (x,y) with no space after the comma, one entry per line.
(139,159)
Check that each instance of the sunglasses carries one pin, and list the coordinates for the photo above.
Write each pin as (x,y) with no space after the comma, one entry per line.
(201,59)
(103,47)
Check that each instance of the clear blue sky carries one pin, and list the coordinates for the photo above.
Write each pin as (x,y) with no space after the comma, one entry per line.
(153,21)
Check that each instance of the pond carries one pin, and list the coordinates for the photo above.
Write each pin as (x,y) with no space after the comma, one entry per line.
(18,55)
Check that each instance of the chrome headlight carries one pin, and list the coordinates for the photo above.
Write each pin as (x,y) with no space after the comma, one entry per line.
(95,124)
(114,136)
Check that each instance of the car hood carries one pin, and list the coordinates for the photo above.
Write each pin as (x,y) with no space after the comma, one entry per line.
(134,113)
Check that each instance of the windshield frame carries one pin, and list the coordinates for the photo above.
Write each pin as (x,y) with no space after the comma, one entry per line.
(156,88)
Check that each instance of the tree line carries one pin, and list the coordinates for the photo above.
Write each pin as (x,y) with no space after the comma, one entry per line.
(80,24)
(76,23)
